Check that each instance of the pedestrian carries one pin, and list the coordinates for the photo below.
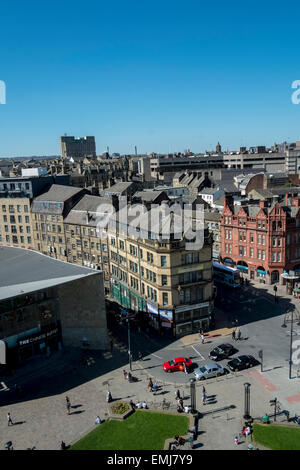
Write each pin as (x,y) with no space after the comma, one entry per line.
(125,374)
(180,402)
(239,335)
(68,406)
(68,400)
(132,405)
(63,446)
(202,338)
(150,385)
(140,356)
(185,369)
(9,420)
(236,440)
(129,377)
(108,396)
(203,397)
(98,420)
(177,395)
(203,389)
(233,335)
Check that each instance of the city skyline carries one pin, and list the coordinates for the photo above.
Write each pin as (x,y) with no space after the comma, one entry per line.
(164,78)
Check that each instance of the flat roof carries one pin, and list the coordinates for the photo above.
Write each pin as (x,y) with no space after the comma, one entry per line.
(24,271)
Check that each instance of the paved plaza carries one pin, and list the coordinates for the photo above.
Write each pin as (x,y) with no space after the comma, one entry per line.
(40,416)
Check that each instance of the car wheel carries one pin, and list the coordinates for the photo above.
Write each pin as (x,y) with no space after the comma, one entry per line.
(202,378)
(219,374)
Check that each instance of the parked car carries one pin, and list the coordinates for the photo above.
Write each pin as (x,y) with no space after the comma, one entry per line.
(209,370)
(241,362)
(177,364)
(222,352)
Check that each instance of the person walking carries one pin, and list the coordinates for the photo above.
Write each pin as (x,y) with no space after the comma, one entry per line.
(203,389)
(202,338)
(9,420)
(125,374)
(203,397)
(236,440)
(150,385)
(140,356)
(177,395)
(132,405)
(233,335)
(239,335)
(129,377)
(68,406)
(185,369)
(180,402)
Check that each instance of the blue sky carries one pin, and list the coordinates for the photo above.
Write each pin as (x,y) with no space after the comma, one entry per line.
(161,75)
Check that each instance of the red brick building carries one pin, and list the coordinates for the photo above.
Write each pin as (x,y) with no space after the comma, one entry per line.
(262,239)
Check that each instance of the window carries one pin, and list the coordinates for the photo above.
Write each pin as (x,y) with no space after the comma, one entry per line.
(263,256)
(165,298)
(251,252)
(20,219)
(149,257)
(164,280)
(273,256)
(259,254)
(7,238)
(3,208)
(29,239)
(5,218)
(279,257)
(251,237)
(25,208)
(15,239)
(163,260)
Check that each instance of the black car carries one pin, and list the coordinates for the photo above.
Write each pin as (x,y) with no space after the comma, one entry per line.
(241,362)
(222,352)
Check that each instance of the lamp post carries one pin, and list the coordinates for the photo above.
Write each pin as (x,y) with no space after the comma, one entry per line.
(247,401)
(193,397)
(290,317)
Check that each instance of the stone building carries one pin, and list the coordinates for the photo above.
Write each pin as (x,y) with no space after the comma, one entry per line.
(46,304)
(48,212)
(158,275)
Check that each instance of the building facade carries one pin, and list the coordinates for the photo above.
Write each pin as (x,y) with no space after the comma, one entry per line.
(262,240)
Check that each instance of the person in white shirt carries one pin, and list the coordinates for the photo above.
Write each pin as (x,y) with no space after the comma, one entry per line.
(139,405)
(145,405)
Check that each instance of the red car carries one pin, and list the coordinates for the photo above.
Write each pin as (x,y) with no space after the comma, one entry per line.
(177,364)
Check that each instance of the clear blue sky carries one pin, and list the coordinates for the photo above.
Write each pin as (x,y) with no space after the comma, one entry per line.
(162,75)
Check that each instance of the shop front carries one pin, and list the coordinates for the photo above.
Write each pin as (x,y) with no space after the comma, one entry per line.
(39,343)
(190,319)
(166,322)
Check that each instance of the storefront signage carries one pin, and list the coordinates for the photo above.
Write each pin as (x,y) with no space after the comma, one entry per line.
(35,339)
(166,313)
(191,307)
(152,309)
(189,270)
(166,324)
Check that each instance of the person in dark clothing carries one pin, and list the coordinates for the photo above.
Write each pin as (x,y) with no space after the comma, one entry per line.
(233,335)
(133,406)
(63,446)
(177,395)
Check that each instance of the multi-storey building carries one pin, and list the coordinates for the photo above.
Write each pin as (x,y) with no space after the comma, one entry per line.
(16,222)
(262,240)
(84,244)
(16,194)
(161,277)
(77,148)
(48,213)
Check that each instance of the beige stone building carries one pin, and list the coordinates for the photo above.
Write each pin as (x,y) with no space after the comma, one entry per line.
(84,245)
(160,277)
(16,227)
(48,213)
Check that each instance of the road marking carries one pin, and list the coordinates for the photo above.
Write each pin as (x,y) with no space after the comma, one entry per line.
(199,354)
(155,355)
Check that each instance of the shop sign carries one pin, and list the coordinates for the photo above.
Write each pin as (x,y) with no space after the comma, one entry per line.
(35,339)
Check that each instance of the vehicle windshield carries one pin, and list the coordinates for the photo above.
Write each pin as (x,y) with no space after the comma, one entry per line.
(217,350)
(202,369)
(186,359)
(171,363)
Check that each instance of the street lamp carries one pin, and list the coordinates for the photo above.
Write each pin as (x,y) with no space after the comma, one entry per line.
(290,317)
(247,401)
(193,397)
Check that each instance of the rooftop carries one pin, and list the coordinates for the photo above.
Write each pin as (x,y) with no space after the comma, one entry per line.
(27,271)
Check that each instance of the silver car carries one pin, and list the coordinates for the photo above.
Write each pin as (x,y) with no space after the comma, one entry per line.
(209,370)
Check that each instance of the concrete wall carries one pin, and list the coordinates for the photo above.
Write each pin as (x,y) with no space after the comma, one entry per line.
(82,312)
